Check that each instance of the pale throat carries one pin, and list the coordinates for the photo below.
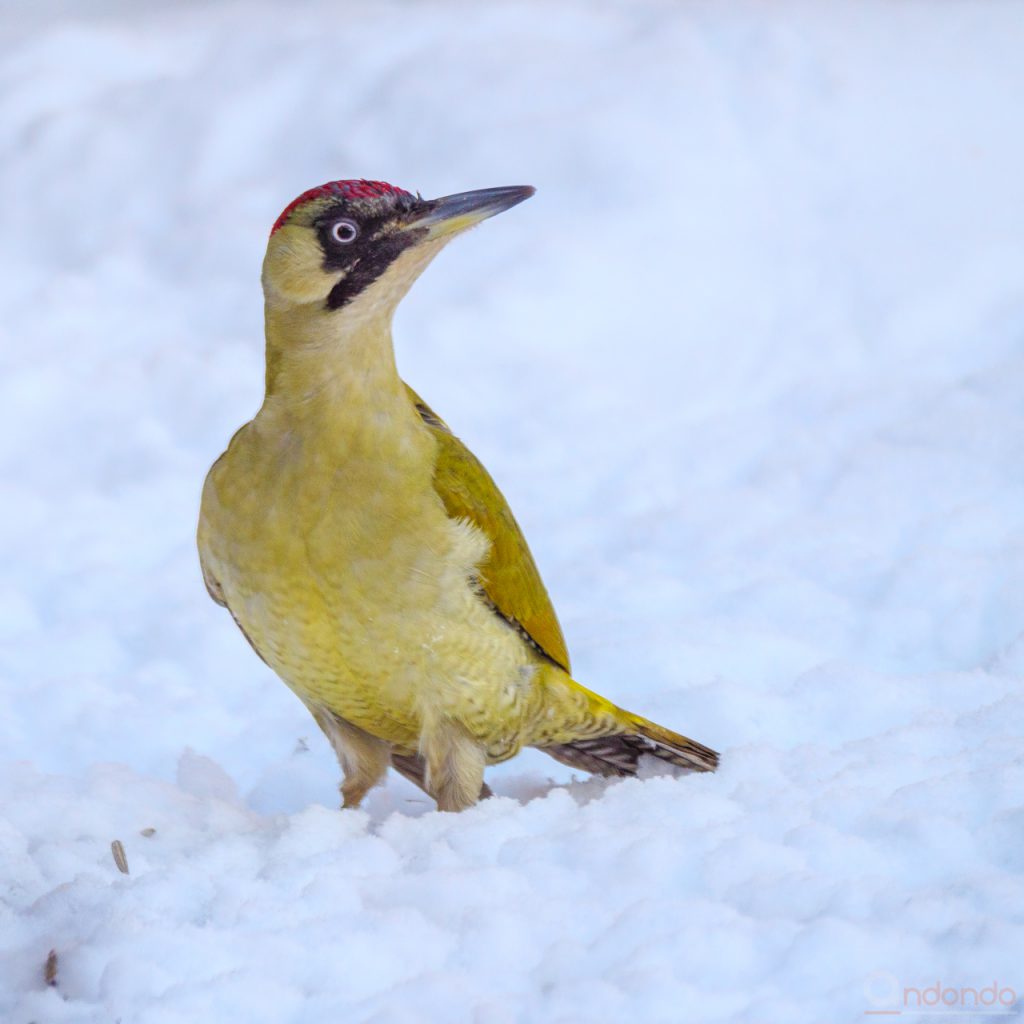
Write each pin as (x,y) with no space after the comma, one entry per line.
(332,377)
(317,355)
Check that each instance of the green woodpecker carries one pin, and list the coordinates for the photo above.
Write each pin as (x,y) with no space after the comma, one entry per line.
(366,554)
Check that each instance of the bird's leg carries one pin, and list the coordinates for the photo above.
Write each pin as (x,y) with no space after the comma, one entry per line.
(455,765)
(364,759)
(414,768)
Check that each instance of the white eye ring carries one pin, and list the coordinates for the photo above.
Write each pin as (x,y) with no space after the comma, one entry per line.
(345,231)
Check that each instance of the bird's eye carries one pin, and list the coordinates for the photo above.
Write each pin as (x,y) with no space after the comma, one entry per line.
(344,231)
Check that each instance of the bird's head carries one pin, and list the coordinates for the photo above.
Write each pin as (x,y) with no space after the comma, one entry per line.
(357,246)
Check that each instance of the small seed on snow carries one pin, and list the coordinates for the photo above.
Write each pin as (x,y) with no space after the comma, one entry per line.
(50,972)
(117,849)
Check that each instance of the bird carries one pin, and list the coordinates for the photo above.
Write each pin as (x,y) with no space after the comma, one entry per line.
(366,554)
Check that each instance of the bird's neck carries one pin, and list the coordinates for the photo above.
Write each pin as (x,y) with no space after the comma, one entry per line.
(332,380)
(323,357)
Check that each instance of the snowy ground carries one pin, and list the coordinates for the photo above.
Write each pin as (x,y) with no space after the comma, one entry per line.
(749,368)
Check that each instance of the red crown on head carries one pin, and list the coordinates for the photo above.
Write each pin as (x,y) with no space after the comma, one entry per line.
(356,188)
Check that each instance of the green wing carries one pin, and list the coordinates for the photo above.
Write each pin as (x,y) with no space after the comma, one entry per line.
(509,576)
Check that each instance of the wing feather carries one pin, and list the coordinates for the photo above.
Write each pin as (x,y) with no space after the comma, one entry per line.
(509,576)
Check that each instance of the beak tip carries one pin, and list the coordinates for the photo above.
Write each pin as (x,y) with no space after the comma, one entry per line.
(523,192)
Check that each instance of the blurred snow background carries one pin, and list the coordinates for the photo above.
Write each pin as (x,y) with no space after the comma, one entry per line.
(749,369)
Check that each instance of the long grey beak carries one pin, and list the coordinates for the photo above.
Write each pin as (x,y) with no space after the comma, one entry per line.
(451,214)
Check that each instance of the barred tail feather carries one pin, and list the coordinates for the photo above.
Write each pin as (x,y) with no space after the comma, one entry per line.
(620,753)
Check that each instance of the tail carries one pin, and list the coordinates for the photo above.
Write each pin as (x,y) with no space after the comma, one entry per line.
(620,753)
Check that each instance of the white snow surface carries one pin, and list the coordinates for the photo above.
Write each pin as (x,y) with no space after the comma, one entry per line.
(748,368)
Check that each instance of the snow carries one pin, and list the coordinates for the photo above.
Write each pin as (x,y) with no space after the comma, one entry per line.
(748,368)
